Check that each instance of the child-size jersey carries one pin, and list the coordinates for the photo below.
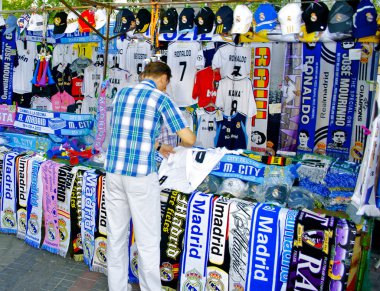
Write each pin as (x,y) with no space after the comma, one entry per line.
(23,73)
(231,132)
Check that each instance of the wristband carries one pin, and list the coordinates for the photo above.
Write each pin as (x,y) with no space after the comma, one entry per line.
(159,146)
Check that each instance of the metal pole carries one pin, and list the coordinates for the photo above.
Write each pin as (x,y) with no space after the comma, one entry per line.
(107,39)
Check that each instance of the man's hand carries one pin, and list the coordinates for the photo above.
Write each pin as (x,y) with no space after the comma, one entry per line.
(166,150)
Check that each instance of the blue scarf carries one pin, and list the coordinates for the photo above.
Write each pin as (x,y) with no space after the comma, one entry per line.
(28,141)
(8,55)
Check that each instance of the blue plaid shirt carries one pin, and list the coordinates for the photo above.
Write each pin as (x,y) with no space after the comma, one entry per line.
(138,113)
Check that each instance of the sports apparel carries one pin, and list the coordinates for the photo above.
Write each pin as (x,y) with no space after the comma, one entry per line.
(76,87)
(21,76)
(93,77)
(340,18)
(186,20)
(121,56)
(41,103)
(169,20)
(123,22)
(223,20)
(118,80)
(242,19)
(64,54)
(236,95)
(89,15)
(60,101)
(184,58)
(134,58)
(290,18)
(89,105)
(265,17)
(78,66)
(205,20)
(231,132)
(205,86)
(85,49)
(72,22)
(60,22)
(315,17)
(138,114)
(206,129)
(11,24)
(365,23)
(62,77)
(232,60)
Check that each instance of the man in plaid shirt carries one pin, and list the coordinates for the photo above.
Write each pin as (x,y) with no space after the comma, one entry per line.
(132,186)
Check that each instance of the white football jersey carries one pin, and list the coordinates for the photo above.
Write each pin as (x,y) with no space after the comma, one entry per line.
(89,105)
(23,73)
(232,60)
(137,52)
(206,129)
(118,80)
(121,57)
(236,95)
(64,54)
(93,77)
(41,103)
(184,58)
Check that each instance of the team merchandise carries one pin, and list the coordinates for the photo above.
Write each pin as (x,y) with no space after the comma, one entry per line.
(284,105)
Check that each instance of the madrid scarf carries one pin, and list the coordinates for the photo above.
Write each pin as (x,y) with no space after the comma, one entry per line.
(172,231)
(133,275)
(89,195)
(66,176)
(22,201)
(8,210)
(196,241)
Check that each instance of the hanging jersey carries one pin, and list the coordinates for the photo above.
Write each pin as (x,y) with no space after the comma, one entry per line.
(23,72)
(231,132)
(135,55)
(206,131)
(118,80)
(184,58)
(205,86)
(236,95)
(85,49)
(121,56)
(64,54)
(76,87)
(77,67)
(62,77)
(93,77)
(89,105)
(232,60)
(60,101)
(41,103)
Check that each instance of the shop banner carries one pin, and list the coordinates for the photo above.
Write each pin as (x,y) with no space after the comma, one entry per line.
(7,114)
(343,101)
(7,66)
(309,97)
(54,122)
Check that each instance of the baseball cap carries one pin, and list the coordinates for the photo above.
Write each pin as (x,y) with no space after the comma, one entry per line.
(72,22)
(205,20)
(186,19)
(289,17)
(224,19)
(242,19)
(305,36)
(265,17)
(315,17)
(11,24)
(23,22)
(364,20)
(169,20)
(340,18)
(60,22)
(36,22)
(89,15)
(100,18)
(124,20)
(234,186)
(143,18)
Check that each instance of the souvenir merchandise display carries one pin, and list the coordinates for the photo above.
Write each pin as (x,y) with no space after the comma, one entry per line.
(283,101)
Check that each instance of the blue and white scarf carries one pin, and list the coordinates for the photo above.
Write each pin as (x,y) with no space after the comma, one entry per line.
(89,195)
(196,242)
(22,202)
(8,213)
(29,141)
(8,59)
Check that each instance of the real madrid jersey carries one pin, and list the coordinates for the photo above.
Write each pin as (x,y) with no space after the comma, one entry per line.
(93,77)
(64,54)
(137,52)
(206,130)
(184,58)
(236,95)
(232,60)
(23,72)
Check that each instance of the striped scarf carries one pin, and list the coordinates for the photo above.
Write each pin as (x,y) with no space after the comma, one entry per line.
(22,202)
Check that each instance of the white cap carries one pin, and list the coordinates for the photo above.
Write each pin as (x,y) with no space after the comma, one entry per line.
(290,18)
(72,22)
(100,18)
(234,186)
(36,23)
(242,19)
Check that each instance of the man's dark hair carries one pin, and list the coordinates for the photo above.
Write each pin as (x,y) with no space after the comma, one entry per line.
(157,69)
(263,137)
(305,132)
(337,130)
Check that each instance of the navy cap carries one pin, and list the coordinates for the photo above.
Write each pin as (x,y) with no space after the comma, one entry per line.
(60,22)
(123,21)
(143,18)
(205,20)
(169,20)
(186,19)
(364,20)
(224,18)
(340,18)
(315,17)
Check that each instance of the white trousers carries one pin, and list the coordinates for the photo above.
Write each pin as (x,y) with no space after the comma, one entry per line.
(138,197)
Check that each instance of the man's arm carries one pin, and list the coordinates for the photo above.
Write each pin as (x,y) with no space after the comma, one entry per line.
(187,137)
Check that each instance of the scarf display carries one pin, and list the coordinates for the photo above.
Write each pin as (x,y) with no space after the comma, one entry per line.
(89,195)
(239,229)
(76,248)
(34,209)
(66,176)
(101,118)
(264,248)
(49,171)
(29,142)
(219,255)
(22,195)
(133,274)
(172,231)
(309,97)
(8,211)
(100,256)
(7,66)
(196,242)
(7,114)
(313,238)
